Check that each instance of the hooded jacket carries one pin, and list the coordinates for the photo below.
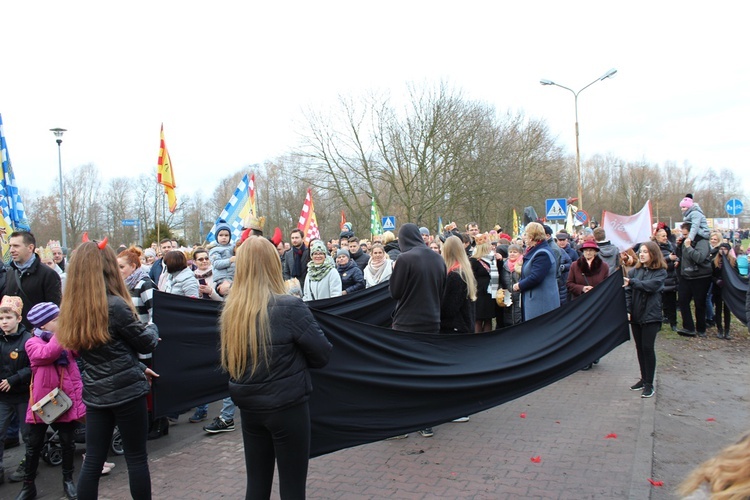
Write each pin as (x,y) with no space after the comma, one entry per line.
(698,222)
(417,283)
(352,277)
(694,260)
(610,254)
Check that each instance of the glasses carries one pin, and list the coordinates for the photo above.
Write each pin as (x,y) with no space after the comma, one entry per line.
(202,259)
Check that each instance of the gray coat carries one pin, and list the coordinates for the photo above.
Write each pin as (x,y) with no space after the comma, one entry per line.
(329,286)
(183,283)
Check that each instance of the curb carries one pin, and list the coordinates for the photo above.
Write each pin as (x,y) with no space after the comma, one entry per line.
(644,451)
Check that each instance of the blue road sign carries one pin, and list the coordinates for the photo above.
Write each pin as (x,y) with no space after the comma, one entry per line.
(389,223)
(556,208)
(582,216)
(734,207)
(129,222)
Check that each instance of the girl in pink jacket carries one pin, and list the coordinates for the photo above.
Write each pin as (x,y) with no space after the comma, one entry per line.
(51,365)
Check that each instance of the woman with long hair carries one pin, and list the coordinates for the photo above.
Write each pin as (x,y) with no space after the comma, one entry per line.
(97,319)
(643,288)
(269,341)
(726,476)
(721,309)
(460,292)
(484,267)
(379,267)
(669,294)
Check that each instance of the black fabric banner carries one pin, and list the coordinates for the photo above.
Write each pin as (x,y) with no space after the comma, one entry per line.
(734,291)
(380,382)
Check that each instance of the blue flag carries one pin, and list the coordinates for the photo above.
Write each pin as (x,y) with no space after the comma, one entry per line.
(237,209)
(10,201)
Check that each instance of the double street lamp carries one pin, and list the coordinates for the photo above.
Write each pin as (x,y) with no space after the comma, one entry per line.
(606,75)
(59,133)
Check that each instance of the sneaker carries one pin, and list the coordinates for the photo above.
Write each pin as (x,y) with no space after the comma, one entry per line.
(637,387)
(198,416)
(648,391)
(685,333)
(461,419)
(400,436)
(702,335)
(427,432)
(20,473)
(219,425)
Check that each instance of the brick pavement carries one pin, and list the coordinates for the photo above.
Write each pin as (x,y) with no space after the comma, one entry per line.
(489,457)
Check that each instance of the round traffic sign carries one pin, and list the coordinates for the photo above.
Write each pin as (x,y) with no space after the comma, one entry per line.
(734,207)
(582,216)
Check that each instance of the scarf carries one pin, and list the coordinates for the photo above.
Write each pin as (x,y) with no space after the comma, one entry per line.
(46,336)
(297,260)
(490,260)
(318,272)
(513,263)
(132,280)
(377,269)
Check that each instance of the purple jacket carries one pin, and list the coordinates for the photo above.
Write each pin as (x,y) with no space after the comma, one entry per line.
(45,377)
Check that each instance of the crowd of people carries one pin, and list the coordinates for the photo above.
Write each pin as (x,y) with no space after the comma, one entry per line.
(82,324)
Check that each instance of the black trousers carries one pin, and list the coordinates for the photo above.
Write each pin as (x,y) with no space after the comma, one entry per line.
(37,435)
(695,290)
(645,337)
(721,309)
(281,437)
(669,306)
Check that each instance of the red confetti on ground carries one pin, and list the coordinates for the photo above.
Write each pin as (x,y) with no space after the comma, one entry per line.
(536,459)
(523,415)
(656,483)
(611,436)
(557,421)
(710,419)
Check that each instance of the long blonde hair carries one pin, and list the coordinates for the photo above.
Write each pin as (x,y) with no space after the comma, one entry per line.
(92,273)
(244,321)
(454,253)
(727,474)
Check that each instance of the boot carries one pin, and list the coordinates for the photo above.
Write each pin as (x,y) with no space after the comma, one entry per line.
(726,334)
(720,333)
(28,491)
(69,487)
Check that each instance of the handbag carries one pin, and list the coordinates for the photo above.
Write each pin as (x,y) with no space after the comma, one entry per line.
(53,405)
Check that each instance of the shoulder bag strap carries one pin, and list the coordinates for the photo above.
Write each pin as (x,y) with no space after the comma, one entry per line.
(17,277)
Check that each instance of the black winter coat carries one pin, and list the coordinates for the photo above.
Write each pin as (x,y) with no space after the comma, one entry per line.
(297,344)
(39,284)
(352,277)
(643,295)
(112,374)
(456,308)
(15,366)
(667,249)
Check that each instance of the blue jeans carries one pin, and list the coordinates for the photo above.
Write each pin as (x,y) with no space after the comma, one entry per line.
(7,410)
(132,420)
(227,410)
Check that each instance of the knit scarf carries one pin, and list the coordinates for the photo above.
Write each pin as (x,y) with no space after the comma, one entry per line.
(132,280)
(512,263)
(377,269)
(318,272)
(297,260)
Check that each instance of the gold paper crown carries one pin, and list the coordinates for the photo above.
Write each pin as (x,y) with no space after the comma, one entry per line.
(45,253)
(13,303)
(253,222)
(54,244)
(481,239)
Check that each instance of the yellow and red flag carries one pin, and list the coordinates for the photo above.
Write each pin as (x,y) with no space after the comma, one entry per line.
(307,221)
(165,174)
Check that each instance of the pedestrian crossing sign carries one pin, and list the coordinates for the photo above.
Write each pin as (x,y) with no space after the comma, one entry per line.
(557,208)
(389,223)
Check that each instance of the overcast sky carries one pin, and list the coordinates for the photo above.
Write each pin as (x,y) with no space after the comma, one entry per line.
(229,80)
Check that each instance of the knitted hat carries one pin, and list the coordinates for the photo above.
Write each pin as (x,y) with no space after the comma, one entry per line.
(221,226)
(686,202)
(725,245)
(318,246)
(502,250)
(43,313)
(149,252)
(13,303)
(590,244)
(548,230)
(342,251)
(424,230)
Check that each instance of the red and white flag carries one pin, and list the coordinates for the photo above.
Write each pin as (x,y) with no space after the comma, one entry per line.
(307,221)
(626,231)
(251,191)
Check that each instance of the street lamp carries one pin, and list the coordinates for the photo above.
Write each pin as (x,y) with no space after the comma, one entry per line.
(606,75)
(59,133)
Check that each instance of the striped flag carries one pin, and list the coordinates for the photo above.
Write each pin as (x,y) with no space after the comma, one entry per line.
(375,226)
(12,206)
(165,174)
(307,221)
(238,207)
(253,205)
(515,223)
(440,226)
(343,220)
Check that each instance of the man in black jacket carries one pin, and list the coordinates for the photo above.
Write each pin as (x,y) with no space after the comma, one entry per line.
(356,253)
(27,277)
(158,267)
(296,258)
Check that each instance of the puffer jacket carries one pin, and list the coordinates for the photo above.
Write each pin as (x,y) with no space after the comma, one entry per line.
(352,278)
(15,367)
(297,344)
(694,260)
(667,249)
(46,373)
(182,283)
(643,295)
(112,374)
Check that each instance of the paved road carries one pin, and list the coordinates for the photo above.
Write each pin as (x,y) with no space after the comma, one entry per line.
(570,426)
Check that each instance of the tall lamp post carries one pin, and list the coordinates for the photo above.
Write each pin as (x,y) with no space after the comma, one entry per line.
(59,133)
(606,75)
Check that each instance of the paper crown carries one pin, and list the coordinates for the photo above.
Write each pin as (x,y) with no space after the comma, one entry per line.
(45,253)
(482,238)
(252,222)
(13,303)
(53,244)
